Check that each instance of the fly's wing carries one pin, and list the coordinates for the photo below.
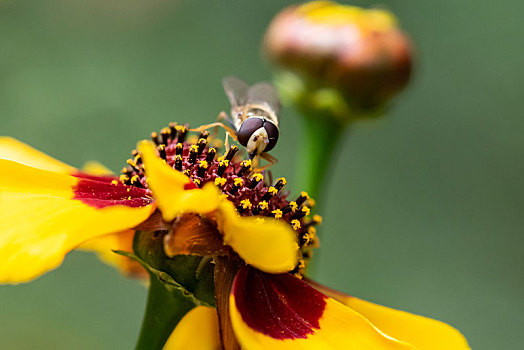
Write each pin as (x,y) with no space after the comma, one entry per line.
(236,91)
(265,94)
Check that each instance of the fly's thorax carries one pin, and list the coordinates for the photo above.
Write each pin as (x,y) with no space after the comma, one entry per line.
(262,110)
(241,113)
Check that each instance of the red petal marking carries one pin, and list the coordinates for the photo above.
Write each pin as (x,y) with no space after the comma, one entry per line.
(190,186)
(280,306)
(103,191)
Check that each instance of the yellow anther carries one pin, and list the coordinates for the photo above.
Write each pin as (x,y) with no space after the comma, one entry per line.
(283,179)
(178,158)
(123,178)
(296,224)
(203,164)
(246,204)
(306,210)
(186,172)
(312,231)
(220,181)
(294,206)
(221,159)
(272,190)
(304,194)
(180,128)
(137,158)
(129,198)
(114,182)
(131,162)
(135,178)
(238,182)
(196,181)
(160,147)
(277,213)
(224,162)
(263,205)
(317,219)
(258,177)
(247,163)
(124,170)
(306,238)
(311,202)
(166,131)
(193,148)
(301,263)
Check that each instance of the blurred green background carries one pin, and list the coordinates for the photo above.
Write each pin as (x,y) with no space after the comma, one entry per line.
(425,208)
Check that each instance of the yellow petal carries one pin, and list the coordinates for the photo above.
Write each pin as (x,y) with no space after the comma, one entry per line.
(424,333)
(44,215)
(12,149)
(174,192)
(197,330)
(282,312)
(95,168)
(106,244)
(266,243)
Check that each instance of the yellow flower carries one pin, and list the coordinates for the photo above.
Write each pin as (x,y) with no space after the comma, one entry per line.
(340,52)
(259,251)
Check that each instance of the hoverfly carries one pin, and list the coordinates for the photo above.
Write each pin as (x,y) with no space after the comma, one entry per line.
(253,120)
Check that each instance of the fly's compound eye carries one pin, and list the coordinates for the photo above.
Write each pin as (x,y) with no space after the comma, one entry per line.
(248,127)
(272,135)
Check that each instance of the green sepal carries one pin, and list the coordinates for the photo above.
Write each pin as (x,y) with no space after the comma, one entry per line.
(166,280)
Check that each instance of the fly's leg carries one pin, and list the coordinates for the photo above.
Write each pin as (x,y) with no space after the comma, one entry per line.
(214,125)
(222,120)
(226,141)
(223,116)
(271,160)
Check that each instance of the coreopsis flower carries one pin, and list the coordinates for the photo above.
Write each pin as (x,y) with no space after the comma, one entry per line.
(250,242)
(351,58)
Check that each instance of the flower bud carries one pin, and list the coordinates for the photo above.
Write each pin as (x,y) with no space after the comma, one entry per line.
(359,53)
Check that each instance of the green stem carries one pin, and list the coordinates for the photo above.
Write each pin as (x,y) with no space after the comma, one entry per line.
(176,286)
(321,136)
(165,308)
